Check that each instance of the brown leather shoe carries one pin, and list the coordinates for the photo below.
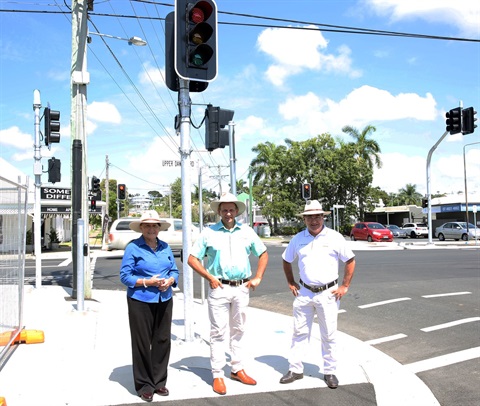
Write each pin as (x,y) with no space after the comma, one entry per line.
(147,396)
(219,386)
(162,391)
(242,377)
(331,381)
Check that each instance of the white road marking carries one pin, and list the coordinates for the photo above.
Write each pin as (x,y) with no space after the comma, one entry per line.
(447,294)
(66,262)
(385,339)
(443,360)
(384,302)
(451,324)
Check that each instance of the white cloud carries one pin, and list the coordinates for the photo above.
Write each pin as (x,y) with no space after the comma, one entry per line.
(361,106)
(294,50)
(104,112)
(14,137)
(464,15)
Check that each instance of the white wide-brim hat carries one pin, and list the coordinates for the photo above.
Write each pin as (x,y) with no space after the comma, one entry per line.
(313,207)
(228,198)
(149,217)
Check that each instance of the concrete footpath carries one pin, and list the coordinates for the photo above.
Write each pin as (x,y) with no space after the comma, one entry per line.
(85,360)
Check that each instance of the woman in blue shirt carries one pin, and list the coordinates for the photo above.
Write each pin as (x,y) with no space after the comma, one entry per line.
(149,271)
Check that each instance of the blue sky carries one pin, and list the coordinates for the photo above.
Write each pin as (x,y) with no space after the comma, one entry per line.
(281,84)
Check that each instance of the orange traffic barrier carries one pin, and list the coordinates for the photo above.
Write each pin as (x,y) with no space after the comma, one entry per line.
(24,337)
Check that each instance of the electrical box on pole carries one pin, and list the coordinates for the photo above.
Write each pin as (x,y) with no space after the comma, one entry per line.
(195,53)
(54,174)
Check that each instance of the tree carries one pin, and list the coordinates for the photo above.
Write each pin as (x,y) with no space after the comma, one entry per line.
(409,195)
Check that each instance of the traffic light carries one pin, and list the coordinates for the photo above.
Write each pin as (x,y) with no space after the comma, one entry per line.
(93,204)
(171,77)
(95,185)
(454,120)
(195,52)
(216,135)
(54,174)
(307,191)
(121,191)
(424,202)
(121,207)
(468,120)
(52,125)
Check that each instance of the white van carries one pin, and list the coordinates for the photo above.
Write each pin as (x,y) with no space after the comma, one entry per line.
(120,234)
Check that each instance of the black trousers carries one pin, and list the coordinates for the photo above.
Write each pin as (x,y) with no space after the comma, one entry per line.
(150,331)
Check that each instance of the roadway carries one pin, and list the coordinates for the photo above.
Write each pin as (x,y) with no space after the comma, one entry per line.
(419,306)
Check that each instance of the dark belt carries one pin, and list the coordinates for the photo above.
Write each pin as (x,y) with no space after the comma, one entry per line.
(238,282)
(316,289)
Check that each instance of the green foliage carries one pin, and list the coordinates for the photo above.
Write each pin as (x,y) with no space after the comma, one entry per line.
(29,237)
(53,236)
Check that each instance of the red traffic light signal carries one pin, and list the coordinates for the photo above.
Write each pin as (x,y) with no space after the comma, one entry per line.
(195,51)
(307,191)
(121,191)
(454,120)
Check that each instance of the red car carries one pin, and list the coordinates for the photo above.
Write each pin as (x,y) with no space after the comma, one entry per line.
(370,231)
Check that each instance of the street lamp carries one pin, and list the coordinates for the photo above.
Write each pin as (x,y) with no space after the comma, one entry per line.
(80,78)
(131,41)
(465,180)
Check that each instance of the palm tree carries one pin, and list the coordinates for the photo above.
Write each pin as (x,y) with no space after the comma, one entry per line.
(367,149)
(409,194)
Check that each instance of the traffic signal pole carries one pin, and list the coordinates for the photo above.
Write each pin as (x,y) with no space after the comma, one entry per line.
(185,106)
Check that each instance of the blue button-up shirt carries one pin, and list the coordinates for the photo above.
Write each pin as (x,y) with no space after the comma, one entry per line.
(227,250)
(140,261)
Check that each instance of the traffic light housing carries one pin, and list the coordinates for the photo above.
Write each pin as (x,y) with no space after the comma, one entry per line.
(307,191)
(121,207)
(54,174)
(93,204)
(52,126)
(216,119)
(195,53)
(468,120)
(95,185)
(121,191)
(454,120)
(424,202)
(171,77)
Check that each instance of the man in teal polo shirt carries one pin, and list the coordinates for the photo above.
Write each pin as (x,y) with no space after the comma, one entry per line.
(228,245)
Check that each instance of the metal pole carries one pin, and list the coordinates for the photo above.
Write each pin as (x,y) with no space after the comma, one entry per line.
(429,158)
(80,260)
(37,171)
(185,105)
(250,194)
(79,81)
(200,216)
(231,141)
(107,199)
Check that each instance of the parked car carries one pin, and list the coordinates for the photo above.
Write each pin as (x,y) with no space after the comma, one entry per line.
(457,230)
(397,231)
(120,234)
(370,231)
(415,230)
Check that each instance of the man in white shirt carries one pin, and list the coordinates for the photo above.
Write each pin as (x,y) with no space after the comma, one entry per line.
(318,249)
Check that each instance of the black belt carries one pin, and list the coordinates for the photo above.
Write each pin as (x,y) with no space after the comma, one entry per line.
(238,282)
(316,289)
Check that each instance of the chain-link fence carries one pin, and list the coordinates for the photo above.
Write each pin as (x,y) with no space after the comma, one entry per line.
(13,224)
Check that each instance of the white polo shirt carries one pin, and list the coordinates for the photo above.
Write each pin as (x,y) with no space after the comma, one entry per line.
(318,256)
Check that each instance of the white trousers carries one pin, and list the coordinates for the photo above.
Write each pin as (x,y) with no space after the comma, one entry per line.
(227,312)
(305,305)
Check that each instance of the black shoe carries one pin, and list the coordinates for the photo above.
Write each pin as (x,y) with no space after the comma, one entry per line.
(331,381)
(290,376)
(147,396)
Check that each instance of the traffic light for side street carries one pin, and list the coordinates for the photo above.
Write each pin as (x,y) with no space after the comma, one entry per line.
(468,120)
(454,120)
(52,126)
(307,191)
(121,191)
(54,166)
(216,119)
(195,51)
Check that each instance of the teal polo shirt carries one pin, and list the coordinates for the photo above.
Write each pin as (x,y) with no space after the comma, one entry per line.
(228,251)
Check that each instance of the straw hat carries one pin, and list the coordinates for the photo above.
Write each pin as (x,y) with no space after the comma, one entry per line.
(228,198)
(313,207)
(149,217)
